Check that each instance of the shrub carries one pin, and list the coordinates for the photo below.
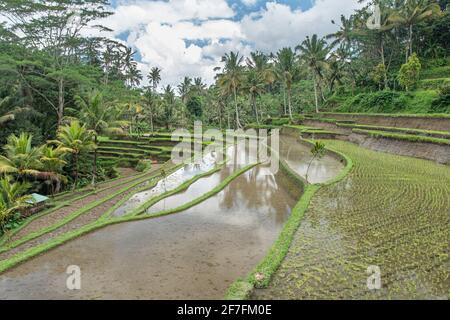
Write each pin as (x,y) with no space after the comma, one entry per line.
(376,102)
(409,73)
(442,103)
(143,166)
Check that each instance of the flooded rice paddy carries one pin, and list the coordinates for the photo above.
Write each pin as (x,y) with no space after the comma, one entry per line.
(194,254)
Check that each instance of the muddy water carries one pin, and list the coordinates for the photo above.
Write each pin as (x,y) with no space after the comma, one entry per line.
(297,156)
(194,254)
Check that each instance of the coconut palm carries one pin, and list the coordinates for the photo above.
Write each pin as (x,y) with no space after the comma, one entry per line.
(285,69)
(198,85)
(232,78)
(254,87)
(314,52)
(21,158)
(260,63)
(77,139)
(169,104)
(53,161)
(12,198)
(99,118)
(154,77)
(184,88)
(413,12)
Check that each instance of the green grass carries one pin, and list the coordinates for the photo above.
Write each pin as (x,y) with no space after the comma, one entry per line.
(436,72)
(389,211)
(404,137)
(432,133)
(434,84)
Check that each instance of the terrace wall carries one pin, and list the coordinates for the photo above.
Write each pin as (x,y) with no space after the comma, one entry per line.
(414,122)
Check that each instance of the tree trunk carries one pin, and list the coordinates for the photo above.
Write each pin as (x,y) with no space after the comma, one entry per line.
(315,94)
(383,59)
(94,167)
(289,103)
(255,108)
(60,100)
(151,120)
(75,164)
(238,122)
(284,99)
(410,40)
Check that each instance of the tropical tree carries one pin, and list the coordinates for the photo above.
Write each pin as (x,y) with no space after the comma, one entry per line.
(232,79)
(12,199)
(150,102)
(286,69)
(53,161)
(77,139)
(254,86)
(21,158)
(314,52)
(154,77)
(169,105)
(184,88)
(11,114)
(99,118)
(411,13)
(198,85)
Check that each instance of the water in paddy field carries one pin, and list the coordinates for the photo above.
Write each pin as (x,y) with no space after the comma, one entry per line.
(194,254)
(297,156)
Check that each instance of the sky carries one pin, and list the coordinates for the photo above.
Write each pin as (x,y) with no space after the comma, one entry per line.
(189,37)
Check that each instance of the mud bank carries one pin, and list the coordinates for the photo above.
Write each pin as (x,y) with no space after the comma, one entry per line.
(426,123)
(422,150)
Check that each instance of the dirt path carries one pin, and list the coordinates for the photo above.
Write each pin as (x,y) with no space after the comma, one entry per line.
(390,212)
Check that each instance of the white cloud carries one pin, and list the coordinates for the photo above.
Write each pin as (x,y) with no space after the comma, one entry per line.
(277,25)
(188,37)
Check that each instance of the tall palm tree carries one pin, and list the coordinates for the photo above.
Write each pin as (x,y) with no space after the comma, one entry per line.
(150,101)
(254,86)
(345,33)
(21,158)
(184,88)
(314,52)
(285,69)
(169,103)
(98,117)
(199,86)
(413,12)
(232,78)
(77,139)
(154,77)
(260,62)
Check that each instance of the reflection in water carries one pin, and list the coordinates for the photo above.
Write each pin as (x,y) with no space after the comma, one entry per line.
(298,156)
(194,254)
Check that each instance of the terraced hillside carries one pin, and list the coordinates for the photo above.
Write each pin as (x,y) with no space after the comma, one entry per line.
(391,212)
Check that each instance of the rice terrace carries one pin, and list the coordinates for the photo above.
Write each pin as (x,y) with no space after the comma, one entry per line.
(184,150)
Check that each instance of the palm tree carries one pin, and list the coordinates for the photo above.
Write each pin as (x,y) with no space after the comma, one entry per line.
(184,88)
(154,77)
(232,78)
(169,102)
(412,13)
(77,139)
(134,76)
(21,158)
(53,161)
(149,101)
(260,62)
(11,198)
(98,117)
(254,86)
(314,53)
(286,69)
(345,33)
(199,86)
